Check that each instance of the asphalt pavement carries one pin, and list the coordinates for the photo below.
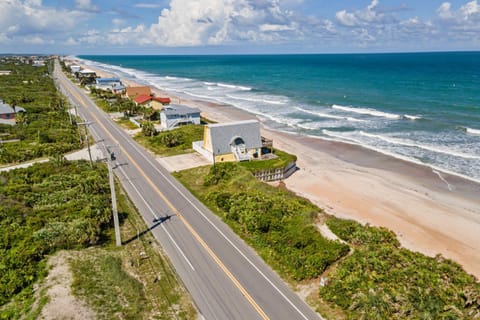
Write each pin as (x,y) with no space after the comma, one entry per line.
(225,277)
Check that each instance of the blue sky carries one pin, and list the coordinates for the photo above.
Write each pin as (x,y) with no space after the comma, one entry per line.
(237,26)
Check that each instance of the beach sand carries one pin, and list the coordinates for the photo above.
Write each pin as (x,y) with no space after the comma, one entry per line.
(432,213)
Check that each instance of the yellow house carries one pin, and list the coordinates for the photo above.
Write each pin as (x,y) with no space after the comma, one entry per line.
(234,141)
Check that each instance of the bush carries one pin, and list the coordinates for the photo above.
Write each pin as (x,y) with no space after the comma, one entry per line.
(172,139)
(43,208)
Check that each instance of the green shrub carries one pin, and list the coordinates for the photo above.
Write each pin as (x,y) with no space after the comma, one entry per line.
(354,233)
(43,208)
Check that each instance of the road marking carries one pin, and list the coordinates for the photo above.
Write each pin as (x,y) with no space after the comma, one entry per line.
(152,212)
(186,223)
(220,232)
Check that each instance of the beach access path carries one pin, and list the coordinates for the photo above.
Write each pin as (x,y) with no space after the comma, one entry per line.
(430,211)
(225,277)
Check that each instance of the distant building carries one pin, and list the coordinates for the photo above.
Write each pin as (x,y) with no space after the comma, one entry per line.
(8,113)
(5,72)
(176,115)
(156,103)
(114,85)
(38,63)
(75,69)
(235,141)
(132,92)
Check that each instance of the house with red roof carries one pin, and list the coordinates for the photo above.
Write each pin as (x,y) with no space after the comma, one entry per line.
(156,103)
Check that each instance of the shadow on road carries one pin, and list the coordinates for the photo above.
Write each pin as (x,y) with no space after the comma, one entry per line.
(156,223)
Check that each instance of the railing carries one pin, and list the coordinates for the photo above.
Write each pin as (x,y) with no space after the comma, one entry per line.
(276,174)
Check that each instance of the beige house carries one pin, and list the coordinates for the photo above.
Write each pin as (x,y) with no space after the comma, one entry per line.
(235,141)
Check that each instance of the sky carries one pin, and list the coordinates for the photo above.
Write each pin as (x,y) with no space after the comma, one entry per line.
(237,26)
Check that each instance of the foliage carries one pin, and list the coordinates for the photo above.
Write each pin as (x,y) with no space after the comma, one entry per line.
(111,102)
(173,142)
(45,130)
(43,208)
(356,234)
(148,129)
(380,280)
(275,222)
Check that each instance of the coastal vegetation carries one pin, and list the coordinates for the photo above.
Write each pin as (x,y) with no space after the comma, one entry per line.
(381,280)
(62,205)
(46,128)
(377,280)
(43,208)
(275,222)
(172,142)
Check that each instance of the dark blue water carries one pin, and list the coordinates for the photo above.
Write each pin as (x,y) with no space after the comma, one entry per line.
(423,107)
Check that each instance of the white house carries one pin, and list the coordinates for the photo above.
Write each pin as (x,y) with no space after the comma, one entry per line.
(114,85)
(172,116)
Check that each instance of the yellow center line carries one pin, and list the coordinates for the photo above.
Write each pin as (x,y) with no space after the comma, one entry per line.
(185,222)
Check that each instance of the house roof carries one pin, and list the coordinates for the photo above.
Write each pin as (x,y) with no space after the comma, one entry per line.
(137,91)
(162,99)
(223,134)
(7,109)
(141,99)
(107,80)
(179,110)
(86,71)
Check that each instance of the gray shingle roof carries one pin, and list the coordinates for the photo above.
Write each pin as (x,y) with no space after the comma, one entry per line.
(223,134)
(179,110)
(6,108)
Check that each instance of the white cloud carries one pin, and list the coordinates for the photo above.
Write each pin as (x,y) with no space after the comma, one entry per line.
(30,20)
(468,13)
(212,22)
(462,24)
(361,17)
(86,5)
(147,5)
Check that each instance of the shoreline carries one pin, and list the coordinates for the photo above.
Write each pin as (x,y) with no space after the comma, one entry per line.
(430,212)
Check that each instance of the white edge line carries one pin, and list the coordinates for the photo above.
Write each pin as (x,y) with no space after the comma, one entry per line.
(218,230)
(115,127)
(152,211)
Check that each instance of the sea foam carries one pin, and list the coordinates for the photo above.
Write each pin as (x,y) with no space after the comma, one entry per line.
(326,115)
(408,143)
(367,111)
(472,131)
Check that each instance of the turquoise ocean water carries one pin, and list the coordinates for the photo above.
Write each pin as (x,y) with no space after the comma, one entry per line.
(421,107)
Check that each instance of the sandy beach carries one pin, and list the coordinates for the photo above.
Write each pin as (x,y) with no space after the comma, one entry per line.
(431,212)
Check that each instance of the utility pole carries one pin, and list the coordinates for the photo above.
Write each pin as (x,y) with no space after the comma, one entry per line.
(116,222)
(87,123)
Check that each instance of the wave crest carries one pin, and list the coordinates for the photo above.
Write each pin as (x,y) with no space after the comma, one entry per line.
(367,111)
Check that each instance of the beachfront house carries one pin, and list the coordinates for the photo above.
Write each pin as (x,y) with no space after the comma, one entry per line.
(156,103)
(114,85)
(234,141)
(8,113)
(75,69)
(133,92)
(173,116)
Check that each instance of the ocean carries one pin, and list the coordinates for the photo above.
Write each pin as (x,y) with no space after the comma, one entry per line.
(420,107)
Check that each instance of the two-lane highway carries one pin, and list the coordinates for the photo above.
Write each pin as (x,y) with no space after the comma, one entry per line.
(224,276)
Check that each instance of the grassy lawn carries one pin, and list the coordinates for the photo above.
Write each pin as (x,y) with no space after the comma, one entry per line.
(127,124)
(173,142)
(283,160)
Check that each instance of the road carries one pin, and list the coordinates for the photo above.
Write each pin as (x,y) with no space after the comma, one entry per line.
(225,277)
